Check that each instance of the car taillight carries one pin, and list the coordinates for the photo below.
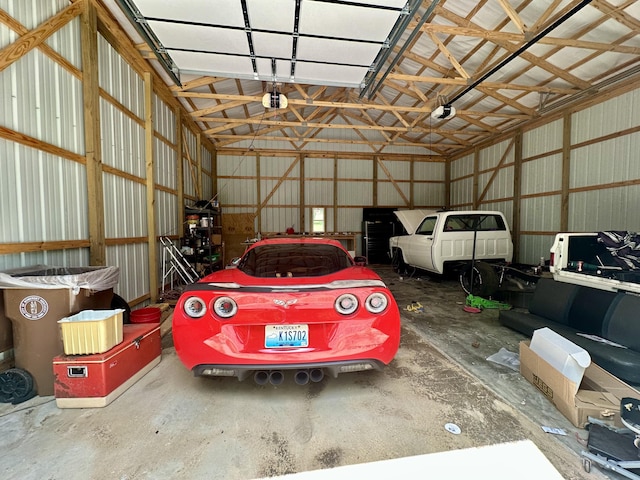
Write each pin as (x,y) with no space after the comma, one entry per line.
(552,259)
(346,304)
(376,302)
(194,307)
(225,307)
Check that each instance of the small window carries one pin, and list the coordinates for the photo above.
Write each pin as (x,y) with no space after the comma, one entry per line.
(318,220)
(427,226)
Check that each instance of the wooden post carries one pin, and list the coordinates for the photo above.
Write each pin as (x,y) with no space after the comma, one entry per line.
(447,184)
(335,195)
(517,194)
(214,173)
(566,172)
(259,190)
(302,193)
(93,152)
(199,164)
(411,185)
(375,180)
(179,173)
(476,175)
(149,128)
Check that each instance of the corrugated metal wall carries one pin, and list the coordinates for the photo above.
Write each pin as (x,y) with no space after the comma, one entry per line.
(44,200)
(342,186)
(43,196)
(167,216)
(541,184)
(602,157)
(461,188)
(394,183)
(603,185)
(429,190)
(280,194)
(123,148)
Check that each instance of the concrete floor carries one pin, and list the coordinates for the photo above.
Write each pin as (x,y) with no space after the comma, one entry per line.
(172,425)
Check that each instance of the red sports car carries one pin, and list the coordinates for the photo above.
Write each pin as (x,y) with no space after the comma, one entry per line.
(297,304)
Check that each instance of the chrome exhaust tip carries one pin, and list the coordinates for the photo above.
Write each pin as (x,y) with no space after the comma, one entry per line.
(316,374)
(276,377)
(302,377)
(261,377)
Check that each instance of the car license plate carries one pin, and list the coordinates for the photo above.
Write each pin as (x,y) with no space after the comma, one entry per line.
(278,336)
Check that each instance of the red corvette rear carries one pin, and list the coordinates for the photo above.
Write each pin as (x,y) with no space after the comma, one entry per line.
(290,304)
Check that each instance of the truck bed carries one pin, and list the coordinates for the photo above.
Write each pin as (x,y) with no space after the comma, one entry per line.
(583,259)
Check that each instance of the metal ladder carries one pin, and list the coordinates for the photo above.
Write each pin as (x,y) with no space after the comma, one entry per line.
(174,262)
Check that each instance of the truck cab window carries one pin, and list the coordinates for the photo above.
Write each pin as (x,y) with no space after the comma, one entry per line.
(427,226)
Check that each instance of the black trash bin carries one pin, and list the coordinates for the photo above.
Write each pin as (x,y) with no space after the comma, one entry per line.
(35,298)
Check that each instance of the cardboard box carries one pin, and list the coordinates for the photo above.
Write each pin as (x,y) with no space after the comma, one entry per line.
(597,395)
(216,239)
(91,331)
(562,354)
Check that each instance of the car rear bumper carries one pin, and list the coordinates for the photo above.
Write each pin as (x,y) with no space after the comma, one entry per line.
(241,372)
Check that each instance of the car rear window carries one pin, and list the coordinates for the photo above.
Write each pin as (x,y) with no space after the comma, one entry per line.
(469,223)
(294,260)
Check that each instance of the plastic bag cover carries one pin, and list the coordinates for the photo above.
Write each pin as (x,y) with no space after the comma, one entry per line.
(75,278)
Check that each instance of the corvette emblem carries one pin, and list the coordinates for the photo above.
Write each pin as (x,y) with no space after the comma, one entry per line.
(284,303)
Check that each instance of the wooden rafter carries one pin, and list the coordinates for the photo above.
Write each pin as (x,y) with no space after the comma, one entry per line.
(242,99)
(462,47)
(513,15)
(445,51)
(520,39)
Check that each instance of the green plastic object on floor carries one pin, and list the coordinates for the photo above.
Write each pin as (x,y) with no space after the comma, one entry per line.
(479,302)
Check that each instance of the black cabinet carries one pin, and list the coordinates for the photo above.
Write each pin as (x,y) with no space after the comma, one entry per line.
(379,224)
(375,241)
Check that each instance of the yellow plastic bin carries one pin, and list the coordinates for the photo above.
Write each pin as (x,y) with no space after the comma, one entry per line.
(91,331)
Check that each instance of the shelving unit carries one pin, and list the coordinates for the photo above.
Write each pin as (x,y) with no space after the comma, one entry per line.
(202,243)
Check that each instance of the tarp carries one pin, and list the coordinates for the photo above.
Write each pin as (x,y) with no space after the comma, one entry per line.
(94,279)
(623,246)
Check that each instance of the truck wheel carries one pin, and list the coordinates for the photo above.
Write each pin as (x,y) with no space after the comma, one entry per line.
(397,262)
(485,280)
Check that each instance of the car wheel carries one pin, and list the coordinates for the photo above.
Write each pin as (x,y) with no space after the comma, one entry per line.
(485,280)
(397,262)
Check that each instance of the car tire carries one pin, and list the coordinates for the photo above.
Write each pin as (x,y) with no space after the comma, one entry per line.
(485,280)
(397,262)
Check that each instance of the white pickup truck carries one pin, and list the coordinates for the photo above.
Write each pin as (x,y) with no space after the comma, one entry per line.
(603,260)
(451,241)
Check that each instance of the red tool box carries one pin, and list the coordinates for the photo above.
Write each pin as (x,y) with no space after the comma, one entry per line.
(86,381)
